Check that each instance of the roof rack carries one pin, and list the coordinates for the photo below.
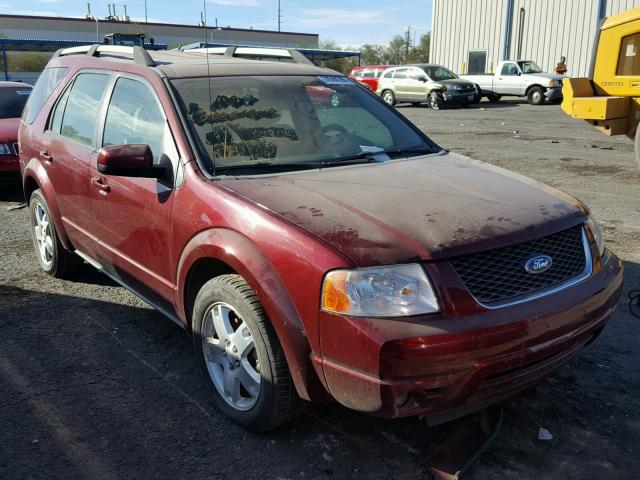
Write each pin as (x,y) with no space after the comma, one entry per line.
(139,55)
(242,50)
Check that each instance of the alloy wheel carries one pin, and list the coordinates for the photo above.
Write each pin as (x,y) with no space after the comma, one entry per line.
(43,236)
(388,98)
(231,357)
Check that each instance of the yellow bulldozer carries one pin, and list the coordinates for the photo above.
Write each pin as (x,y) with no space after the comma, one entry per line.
(610,99)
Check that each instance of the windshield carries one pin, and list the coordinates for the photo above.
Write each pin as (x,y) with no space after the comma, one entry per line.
(12,100)
(439,73)
(277,120)
(529,67)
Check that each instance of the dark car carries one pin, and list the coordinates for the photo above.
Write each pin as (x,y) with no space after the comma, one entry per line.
(13,96)
(422,83)
(316,250)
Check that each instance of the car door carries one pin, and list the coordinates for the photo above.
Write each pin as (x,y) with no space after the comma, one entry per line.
(508,82)
(68,150)
(134,214)
(401,84)
(417,84)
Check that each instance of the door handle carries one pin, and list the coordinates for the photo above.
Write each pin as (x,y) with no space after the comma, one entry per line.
(44,155)
(104,189)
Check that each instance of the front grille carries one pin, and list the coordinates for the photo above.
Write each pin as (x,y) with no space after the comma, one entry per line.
(498,275)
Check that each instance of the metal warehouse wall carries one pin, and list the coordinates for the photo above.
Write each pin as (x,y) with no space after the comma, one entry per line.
(541,30)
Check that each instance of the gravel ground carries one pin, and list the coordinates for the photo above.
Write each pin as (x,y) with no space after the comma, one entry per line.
(95,384)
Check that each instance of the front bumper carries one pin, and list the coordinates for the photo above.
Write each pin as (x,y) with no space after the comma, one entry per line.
(554,93)
(9,168)
(454,97)
(447,366)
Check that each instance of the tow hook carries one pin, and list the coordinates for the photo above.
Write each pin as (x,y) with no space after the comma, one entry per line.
(463,442)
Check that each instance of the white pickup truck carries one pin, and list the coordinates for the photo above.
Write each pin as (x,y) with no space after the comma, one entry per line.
(519,78)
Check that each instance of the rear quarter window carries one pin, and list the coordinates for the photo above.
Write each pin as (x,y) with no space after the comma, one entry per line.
(46,84)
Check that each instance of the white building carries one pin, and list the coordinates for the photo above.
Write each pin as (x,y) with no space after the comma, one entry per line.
(472,36)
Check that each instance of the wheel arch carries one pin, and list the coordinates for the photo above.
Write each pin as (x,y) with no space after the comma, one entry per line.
(219,251)
(34,177)
(531,87)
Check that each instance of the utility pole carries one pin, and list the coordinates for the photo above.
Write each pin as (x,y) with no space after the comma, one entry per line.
(146,18)
(279,15)
(406,58)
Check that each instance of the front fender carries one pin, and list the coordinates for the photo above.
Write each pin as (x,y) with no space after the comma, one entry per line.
(36,172)
(247,260)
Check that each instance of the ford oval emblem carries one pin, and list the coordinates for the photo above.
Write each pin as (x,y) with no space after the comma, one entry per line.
(538,264)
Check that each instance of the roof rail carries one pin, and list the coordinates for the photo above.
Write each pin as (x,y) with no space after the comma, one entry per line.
(239,50)
(139,55)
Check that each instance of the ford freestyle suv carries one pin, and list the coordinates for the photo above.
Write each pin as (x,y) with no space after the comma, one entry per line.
(13,96)
(314,249)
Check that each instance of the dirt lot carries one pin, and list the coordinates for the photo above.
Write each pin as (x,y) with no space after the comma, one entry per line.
(94,384)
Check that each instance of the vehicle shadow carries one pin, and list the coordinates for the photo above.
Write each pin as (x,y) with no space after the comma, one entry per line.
(111,388)
(11,193)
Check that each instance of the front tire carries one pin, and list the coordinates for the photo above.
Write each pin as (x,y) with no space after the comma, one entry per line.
(435,102)
(389,98)
(241,356)
(535,96)
(53,258)
(493,97)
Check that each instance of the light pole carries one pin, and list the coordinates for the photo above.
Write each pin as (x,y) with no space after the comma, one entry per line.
(146,19)
(97,29)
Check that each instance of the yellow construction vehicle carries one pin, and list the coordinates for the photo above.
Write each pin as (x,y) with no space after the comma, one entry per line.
(610,99)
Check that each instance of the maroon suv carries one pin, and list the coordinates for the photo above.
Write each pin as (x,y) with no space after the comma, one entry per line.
(13,96)
(315,249)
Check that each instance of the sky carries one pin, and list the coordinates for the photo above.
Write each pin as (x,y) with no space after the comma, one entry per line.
(347,22)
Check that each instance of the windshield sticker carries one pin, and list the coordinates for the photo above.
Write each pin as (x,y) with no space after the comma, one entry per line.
(23,92)
(371,149)
(334,80)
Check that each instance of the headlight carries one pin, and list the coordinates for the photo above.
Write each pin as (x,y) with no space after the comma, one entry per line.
(395,291)
(597,235)
(4,149)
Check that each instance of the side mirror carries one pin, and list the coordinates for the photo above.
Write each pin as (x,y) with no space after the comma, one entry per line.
(519,73)
(422,79)
(129,161)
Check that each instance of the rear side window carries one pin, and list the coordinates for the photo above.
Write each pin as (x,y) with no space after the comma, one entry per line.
(81,111)
(46,84)
(12,100)
(401,73)
(134,116)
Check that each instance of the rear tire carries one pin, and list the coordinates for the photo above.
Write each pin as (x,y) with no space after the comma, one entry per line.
(493,97)
(389,98)
(53,258)
(435,102)
(535,96)
(241,356)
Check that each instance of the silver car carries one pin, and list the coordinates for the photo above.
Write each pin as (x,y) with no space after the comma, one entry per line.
(421,83)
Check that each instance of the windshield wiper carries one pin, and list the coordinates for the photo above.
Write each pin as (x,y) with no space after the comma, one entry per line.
(306,165)
(410,151)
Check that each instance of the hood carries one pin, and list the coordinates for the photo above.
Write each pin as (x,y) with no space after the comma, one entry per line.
(9,129)
(422,208)
(546,76)
(456,81)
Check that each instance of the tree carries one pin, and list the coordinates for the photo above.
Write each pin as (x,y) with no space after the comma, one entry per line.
(420,52)
(27,62)
(343,65)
